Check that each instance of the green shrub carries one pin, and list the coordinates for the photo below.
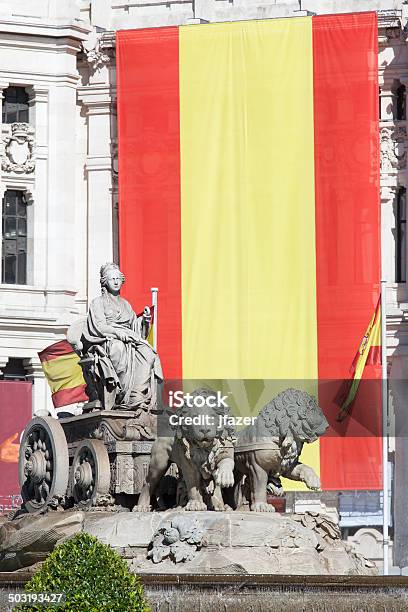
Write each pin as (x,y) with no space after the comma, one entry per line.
(93,577)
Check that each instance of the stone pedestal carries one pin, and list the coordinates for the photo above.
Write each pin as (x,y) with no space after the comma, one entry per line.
(179,542)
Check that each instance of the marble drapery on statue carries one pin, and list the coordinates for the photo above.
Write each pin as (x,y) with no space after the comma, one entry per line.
(116,338)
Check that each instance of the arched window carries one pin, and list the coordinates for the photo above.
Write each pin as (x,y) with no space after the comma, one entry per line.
(401,237)
(14,238)
(15,105)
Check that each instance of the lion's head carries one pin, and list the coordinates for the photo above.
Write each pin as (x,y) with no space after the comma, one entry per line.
(294,413)
(202,421)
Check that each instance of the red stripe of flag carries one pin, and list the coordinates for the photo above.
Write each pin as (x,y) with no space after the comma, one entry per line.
(64,397)
(149,179)
(58,349)
(374,356)
(347,233)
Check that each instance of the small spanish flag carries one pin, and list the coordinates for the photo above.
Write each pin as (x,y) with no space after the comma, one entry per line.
(150,335)
(369,353)
(63,373)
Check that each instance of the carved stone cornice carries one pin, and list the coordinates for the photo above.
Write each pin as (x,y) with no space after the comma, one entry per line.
(390,18)
(38,93)
(21,183)
(389,26)
(108,40)
(96,98)
(70,33)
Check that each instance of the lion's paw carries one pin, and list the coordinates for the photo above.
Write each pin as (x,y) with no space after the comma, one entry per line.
(313,485)
(224,478)
(194,505)
(311,480)
(262,507)
(142,509)
(219,505)
(275,491)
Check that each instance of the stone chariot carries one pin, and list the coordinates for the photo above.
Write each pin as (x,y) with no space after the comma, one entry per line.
(96,459)
(101,457)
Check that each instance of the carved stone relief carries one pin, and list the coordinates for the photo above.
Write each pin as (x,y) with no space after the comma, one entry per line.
(96,56)
(19,149)
(393,142)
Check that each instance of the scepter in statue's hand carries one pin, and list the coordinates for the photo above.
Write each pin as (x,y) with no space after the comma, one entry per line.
(147,315)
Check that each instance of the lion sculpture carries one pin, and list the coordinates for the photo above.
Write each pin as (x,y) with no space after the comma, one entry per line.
(203,450)
(270,448)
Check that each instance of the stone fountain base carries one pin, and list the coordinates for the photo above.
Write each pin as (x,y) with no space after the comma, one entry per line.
(179,542)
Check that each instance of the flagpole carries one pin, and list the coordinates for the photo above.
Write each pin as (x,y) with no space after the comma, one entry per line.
(386,502)
(154,291)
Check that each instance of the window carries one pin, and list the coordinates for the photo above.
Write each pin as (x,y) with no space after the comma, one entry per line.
(400,103)
(401,237)
(15,105)
(14,370)
(14,238)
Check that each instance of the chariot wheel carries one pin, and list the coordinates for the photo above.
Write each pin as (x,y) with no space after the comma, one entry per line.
(43,463)
(90,472)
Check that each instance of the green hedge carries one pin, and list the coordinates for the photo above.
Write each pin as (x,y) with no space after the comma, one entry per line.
(93,577)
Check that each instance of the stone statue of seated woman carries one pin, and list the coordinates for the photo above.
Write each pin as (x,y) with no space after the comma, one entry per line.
(125,367)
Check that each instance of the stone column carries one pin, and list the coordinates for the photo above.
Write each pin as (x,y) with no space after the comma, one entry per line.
(42,403)
(96,100)
(388,195)
(38,116)
(3,86)
(61,175)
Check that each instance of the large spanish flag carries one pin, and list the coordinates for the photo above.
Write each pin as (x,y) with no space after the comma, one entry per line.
(249,195)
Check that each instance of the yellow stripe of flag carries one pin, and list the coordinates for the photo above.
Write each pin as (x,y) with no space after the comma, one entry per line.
(248,229)
(63,372)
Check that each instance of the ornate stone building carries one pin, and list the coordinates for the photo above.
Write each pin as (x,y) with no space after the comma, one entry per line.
(58,152)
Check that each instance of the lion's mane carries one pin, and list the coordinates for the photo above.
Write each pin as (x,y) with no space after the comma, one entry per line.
(294,413)
(184,431)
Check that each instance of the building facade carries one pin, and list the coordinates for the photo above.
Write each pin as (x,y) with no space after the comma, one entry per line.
(58,176)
